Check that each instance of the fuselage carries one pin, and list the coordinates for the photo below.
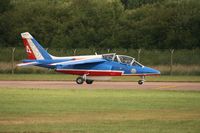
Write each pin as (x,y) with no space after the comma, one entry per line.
(109,67)
(87,67)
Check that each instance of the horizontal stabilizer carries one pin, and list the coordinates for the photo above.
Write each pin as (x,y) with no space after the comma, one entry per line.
(27,64)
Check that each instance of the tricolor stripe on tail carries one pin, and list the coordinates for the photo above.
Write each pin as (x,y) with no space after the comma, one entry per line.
(33,49)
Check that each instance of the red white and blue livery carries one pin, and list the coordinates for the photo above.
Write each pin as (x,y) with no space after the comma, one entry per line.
(89,67)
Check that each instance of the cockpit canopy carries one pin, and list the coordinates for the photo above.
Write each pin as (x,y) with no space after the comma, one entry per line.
(122,59)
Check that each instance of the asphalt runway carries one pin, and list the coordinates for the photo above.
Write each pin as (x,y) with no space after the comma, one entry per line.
(100,85)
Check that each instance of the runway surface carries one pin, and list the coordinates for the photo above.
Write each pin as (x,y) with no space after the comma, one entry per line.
(100,85)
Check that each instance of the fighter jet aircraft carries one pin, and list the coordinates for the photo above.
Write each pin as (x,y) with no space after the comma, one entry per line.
(87,67)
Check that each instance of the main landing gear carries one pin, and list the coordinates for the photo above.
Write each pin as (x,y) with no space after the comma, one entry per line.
(81,80)
(140,82)
(89,81)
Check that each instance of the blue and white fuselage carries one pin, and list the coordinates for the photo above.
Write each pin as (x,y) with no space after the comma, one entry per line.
(89,68)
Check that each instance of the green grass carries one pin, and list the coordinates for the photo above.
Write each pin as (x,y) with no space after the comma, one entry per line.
(60,77)
(97,111)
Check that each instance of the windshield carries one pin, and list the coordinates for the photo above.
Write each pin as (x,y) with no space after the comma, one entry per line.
(135,63)
(126,59)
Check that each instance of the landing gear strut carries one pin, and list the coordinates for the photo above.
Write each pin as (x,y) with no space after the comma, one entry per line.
(140,82)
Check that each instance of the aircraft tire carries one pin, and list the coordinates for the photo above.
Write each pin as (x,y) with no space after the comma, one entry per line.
(140,82)
(80,80)
(89,81)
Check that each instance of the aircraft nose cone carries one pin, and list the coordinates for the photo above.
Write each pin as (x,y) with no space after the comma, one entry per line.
(151,70)
(156,71)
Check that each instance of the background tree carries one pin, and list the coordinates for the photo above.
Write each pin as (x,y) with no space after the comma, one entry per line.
(147,24)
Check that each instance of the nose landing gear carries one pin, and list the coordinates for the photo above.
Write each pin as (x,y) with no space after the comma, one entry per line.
(140,82)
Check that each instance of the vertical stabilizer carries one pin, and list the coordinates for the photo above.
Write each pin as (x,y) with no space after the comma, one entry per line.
(33,49)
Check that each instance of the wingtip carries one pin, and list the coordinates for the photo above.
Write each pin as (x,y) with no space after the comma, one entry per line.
(19,65)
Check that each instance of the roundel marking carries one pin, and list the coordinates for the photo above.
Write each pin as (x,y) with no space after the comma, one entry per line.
(133,70)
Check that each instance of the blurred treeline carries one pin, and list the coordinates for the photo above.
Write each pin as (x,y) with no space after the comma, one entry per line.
(148,24)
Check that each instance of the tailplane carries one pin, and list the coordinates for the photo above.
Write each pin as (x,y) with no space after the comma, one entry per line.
(33,49)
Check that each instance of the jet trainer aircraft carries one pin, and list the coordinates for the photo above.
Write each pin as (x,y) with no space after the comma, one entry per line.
(89,67)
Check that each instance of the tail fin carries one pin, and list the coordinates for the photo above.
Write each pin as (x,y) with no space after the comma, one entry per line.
(33,49)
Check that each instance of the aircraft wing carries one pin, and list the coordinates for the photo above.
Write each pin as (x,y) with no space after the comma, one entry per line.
(79,62)
(28,64)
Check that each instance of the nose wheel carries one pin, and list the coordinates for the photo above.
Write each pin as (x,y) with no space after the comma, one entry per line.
(140,82)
